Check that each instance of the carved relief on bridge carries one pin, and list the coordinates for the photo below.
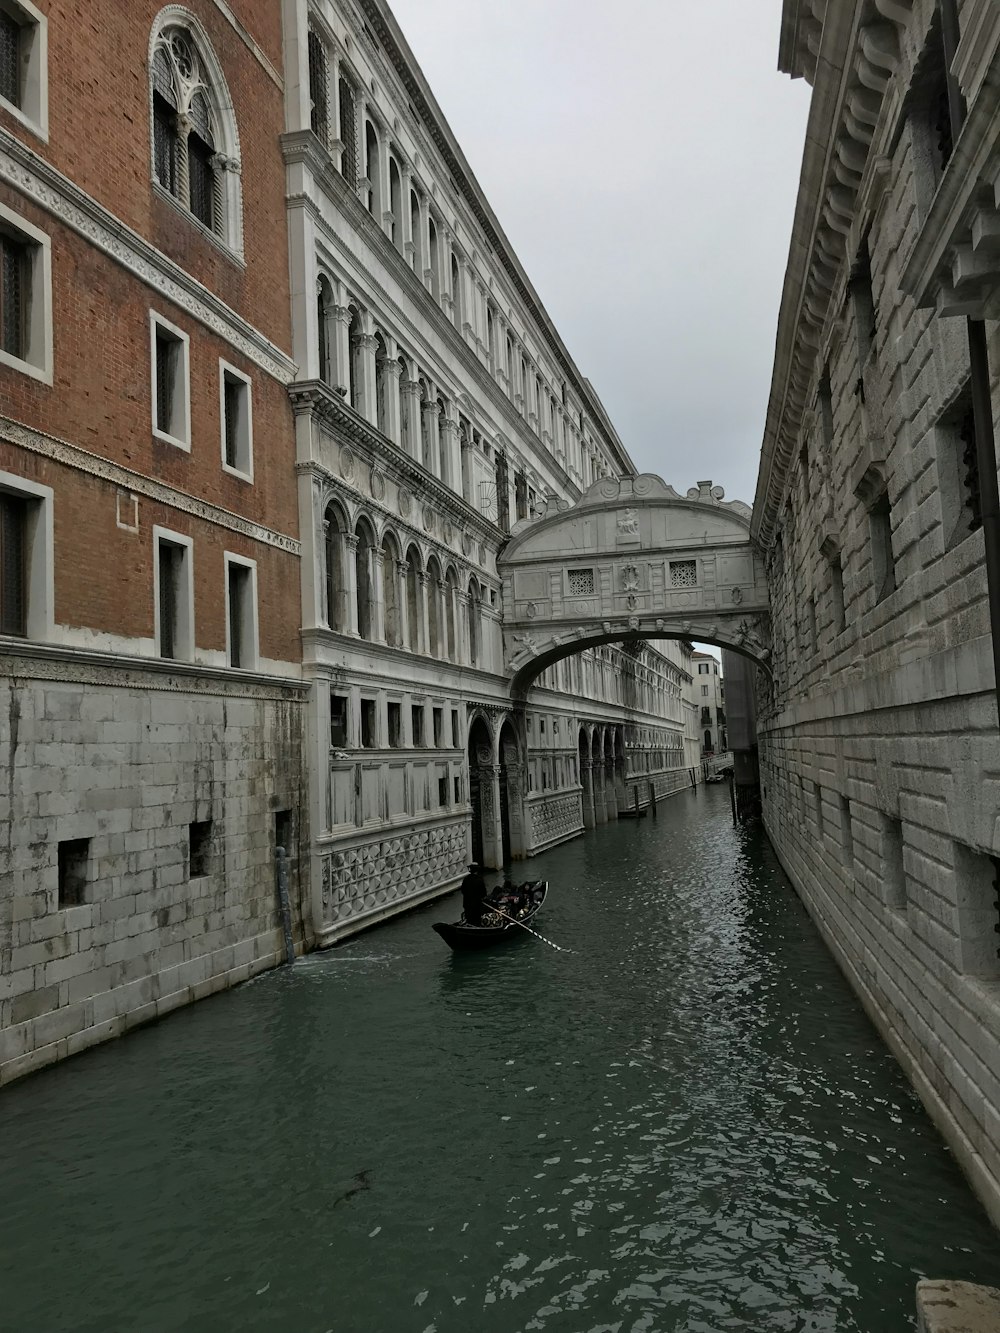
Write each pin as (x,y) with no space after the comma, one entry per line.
(633,556)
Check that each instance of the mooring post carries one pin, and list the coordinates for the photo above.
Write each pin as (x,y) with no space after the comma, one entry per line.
(652,796)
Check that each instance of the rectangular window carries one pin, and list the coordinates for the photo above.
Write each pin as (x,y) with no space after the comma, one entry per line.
(977,891)
(369,733)
(394,721)
(417,723)
(443,785)
(454,727)
(338,721)
(837,594)
(846,834)
(437,722)
(23,61)
(74,856)
(283,832)
(818,803)
(170,382)
(704,690)
(173,595)
(25,296)
(13,564)
(241,612)
(893,872)
(883,565)
(237,421)
(348,133)
(683,574)
(958,474)
(581,582)
(199,848)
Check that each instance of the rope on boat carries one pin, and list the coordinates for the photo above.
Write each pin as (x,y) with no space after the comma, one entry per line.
(551,943)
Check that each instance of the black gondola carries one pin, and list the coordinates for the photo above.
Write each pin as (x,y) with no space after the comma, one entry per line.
(520,901)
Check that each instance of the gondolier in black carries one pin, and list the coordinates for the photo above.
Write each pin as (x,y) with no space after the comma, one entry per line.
(473,893)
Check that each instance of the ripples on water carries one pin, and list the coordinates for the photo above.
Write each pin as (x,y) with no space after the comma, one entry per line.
(686,1123)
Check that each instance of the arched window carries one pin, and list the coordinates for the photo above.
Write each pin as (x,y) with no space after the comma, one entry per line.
(195,143)
(390,574)
(425,429)
(474,614)
(365,583)
(510,365)
(450,598)
(444,471)
(456,293)
(372,171)
(324,304)
(355,378)
(491,338)
(432,259)
(396,204)
(434,644)
(413,616)
(418,254)
(524,384)
(336,581)
(348,105)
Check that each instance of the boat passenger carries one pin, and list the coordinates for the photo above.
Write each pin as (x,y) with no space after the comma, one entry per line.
(473,893)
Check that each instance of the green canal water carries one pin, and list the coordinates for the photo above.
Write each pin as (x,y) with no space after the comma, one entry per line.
(684,1123)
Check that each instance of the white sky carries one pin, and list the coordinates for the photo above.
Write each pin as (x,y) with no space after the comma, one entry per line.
(643,159)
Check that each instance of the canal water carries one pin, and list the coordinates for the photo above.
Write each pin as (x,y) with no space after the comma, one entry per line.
(683,1121)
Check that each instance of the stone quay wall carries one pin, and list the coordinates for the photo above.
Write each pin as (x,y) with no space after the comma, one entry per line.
(138,815)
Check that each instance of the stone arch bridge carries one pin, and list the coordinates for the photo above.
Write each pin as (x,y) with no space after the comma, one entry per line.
(632,559)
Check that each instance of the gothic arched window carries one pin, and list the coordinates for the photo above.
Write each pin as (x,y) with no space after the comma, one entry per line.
(195,143)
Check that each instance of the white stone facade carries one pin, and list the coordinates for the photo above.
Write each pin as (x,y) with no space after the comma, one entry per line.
(878,739)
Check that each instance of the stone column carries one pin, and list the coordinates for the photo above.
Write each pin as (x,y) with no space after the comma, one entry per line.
(452,453)
(341,348)
(515,811)
(351,582)
(402,605)
(600,802)
(465,450)
(462,627)
(610,792)
(489,788)
(406,184)
(409,393)
(432,457)
(391,372)
(333,107)
(323,599)
(425,242)
(587,781)
(377,611)
(367,344)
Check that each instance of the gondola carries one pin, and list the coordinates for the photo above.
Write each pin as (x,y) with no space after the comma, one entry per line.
(531,896)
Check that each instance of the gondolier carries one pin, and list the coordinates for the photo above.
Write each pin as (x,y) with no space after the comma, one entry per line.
(473,893)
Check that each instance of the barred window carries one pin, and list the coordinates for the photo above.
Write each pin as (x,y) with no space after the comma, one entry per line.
(348,133)
(14,282)
(683,574)
(319,115)
(10,58)
(195,150)
(13,564)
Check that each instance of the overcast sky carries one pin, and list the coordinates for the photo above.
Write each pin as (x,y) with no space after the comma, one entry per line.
(643,159)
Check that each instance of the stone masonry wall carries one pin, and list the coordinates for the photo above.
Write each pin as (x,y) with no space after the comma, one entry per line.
(130,759)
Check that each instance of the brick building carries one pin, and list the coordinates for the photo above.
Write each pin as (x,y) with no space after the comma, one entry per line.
(150,667)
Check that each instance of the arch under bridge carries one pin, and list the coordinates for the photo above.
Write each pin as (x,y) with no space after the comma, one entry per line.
(632,559)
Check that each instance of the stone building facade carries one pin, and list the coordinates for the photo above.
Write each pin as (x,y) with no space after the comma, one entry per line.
(150,682)
(878,730)
(710,701)
(436,406)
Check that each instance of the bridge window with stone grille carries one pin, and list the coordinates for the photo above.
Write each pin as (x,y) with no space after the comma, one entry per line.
(683,573)
(581,582)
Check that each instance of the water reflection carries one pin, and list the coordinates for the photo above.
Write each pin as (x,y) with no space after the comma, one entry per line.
(686,1123)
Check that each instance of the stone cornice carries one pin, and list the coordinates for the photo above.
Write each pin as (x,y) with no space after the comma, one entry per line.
(384,25)
(30,174)
(320,400)
(71,455)
(31,660)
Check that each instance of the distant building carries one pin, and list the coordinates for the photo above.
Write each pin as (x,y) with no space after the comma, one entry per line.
(710,703)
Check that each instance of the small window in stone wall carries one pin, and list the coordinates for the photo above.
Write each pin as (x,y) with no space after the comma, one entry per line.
(338,720)
(443,790)
(683,573)
(977,891)
(458,790)
(368,726)
(437,722)
(199,848)
(454,727)
(581,582)
(74,855)
(893,871)
(417,720)
(394,720)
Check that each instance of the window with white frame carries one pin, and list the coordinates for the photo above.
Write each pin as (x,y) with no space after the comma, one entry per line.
(241,612)
(26,558)
(236,415)
(195,145)
(24,64)
(171,381)
(173,594)
(25,297)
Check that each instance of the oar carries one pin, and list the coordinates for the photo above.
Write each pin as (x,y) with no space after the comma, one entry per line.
(552,944)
